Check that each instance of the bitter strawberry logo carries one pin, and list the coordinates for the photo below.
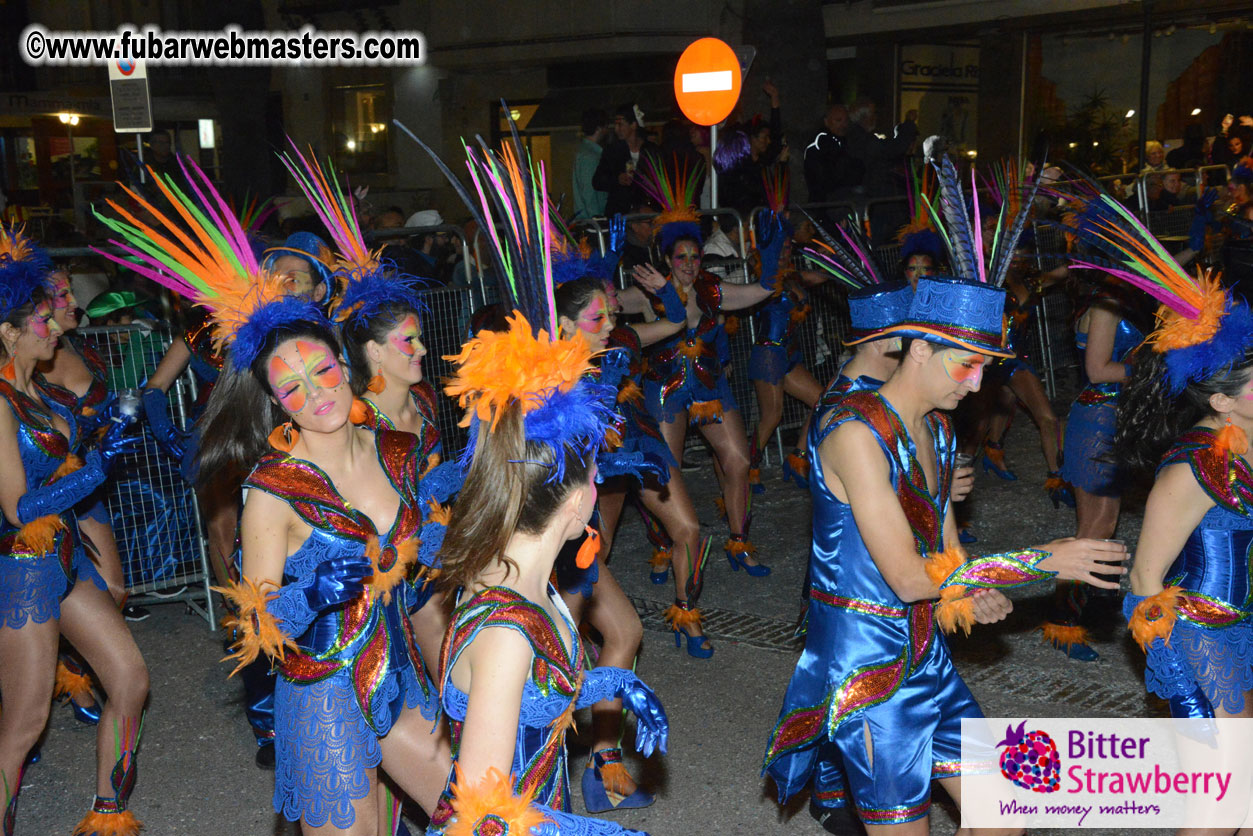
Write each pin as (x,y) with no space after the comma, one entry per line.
(1030,759)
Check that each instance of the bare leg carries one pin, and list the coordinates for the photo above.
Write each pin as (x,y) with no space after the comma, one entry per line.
(1097,515)
(731,449)
(28,661)
(92,623)
(609,501)
(611,613)
(674,508)
(953,786)
(770,410)
(802,385)
(417,759)
(1031,392)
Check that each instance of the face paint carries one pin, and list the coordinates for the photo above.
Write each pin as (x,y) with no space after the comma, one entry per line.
(962,367)
(406,337)
(592,319)
(41,324)
(61,292)
(319,370)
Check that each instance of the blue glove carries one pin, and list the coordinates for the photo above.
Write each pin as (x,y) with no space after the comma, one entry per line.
(64,493)
(334,583)
(676,311)
(103,412)
(617,234)
(558,823)
(769,247)
(172,441)
(607,683)
(1168,676)
(117,443)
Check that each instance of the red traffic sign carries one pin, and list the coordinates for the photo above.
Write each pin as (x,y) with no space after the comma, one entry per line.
(707,81)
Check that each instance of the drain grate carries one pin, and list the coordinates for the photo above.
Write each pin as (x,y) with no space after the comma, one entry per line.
(753,630)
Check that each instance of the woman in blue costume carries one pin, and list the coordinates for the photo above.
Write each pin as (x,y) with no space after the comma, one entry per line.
(512,668)
(875,684)
(685,382)
(48,586)
(328,532)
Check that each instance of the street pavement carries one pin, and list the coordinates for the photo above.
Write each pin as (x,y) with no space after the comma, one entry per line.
(196,771)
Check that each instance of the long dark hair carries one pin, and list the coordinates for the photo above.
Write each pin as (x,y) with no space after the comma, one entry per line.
(240,415)
(506,490)
(572,297)
(357,331)
(1150,418)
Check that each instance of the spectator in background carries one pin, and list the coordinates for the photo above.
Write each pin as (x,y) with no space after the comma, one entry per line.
(639,234)
(393,217)
(1192,152)
(762,144)
(831,172)
(883,161)
(1154,156)
(589,202)
(615,173)
(430,254)
(722,247)
(1232,142)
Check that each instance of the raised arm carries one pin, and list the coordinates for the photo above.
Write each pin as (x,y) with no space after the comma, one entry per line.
(736,297)
(176,358)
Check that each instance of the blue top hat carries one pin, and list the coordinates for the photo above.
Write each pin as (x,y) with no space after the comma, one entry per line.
(312,249)
(876,308)
(957,313)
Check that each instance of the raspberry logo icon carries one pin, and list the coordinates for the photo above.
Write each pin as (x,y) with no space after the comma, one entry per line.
(1030,759)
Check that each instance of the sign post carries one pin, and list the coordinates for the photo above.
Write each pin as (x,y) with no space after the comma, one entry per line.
(707,85)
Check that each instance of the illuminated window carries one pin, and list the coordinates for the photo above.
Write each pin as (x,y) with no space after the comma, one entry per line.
(361,118)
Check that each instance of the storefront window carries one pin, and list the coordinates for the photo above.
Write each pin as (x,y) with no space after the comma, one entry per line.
(361,117)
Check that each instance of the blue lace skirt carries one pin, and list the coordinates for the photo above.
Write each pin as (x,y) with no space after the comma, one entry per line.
(771,363)
(33,589)
(1088,449)
(323,747)
(1221,659)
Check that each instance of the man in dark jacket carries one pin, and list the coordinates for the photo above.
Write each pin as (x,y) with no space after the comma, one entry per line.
(615,173)
(883,160)
(831,172)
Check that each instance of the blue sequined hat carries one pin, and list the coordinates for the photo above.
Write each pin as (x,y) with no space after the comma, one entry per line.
(874,309)
(958,314)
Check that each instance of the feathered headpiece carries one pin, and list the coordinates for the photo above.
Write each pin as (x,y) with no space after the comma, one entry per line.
(574,258)
(919,235)
(961,229)
(778,194)
(548,377)
(254,214)
(207,259)
(369,283)
(24,269)
(672,188)
(1201,329)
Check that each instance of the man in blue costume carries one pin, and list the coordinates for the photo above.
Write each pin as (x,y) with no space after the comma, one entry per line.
(875,690)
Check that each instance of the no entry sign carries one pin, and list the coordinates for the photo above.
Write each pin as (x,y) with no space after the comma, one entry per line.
(707,81)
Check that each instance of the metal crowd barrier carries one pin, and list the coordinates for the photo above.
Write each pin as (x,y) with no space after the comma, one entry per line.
(153,510)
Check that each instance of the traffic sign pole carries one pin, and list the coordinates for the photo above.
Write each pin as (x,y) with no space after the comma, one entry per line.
(713,169)
(707,83)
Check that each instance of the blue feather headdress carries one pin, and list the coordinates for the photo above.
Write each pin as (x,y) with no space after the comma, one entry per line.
(528,366)
(24,270)
(575,259)
(207,258)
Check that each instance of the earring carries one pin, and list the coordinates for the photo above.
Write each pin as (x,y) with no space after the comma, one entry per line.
(1232,439)
(8,371)
(284,437)
(359,412)
(589,549)
(377,383)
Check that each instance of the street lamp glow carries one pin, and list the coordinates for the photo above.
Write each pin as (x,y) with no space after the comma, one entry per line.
(352,145)
(68,118)
(1196,111)
(1130,113)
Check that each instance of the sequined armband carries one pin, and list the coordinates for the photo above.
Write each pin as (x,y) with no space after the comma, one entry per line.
(958,577)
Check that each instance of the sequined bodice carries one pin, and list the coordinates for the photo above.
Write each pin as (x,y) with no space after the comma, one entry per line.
(1126,337)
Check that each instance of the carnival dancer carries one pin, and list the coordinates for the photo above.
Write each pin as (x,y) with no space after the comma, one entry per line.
(327,532)
(49,588)
(512,669)
(1186,412)
(920,246)
(776,364)
(882,516)
(685,382)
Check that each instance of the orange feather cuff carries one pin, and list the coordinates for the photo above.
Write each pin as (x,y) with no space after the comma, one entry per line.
(490,806)
(258,631)
(1154,617)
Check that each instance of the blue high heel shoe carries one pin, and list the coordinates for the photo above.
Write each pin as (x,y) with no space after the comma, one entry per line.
(965,537)
(796,468)
(72,681)
(89,716)
(738,549)
(659,576)
(994,460)
(680,616)
(1059,490)
(601,779)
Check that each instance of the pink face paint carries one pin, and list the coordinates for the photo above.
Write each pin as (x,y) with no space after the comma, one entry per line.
(60,291)
(964,367)
(406,337)
(41,321)
(593,316)
(318,370)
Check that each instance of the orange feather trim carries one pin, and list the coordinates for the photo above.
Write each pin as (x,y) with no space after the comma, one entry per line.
(740,547)
(691,349)
(630,392)
(1054,483)
(88,412)
(618,782)
(1231,439)
(660,559)
(283,437)
(1064,635)
(70,684)
(16,245)
(491,799)
(954,608)
(731,325)
(439,513)
(681,214)
(359,413)
(942,564)
(679,618)
(108,824)
(40,534)
(1177,331)
(954,612)
(1154,617)
(496,369)
(382,582)
(259,632)
(800,464)
(754,478)
(706,412)
(612,439)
